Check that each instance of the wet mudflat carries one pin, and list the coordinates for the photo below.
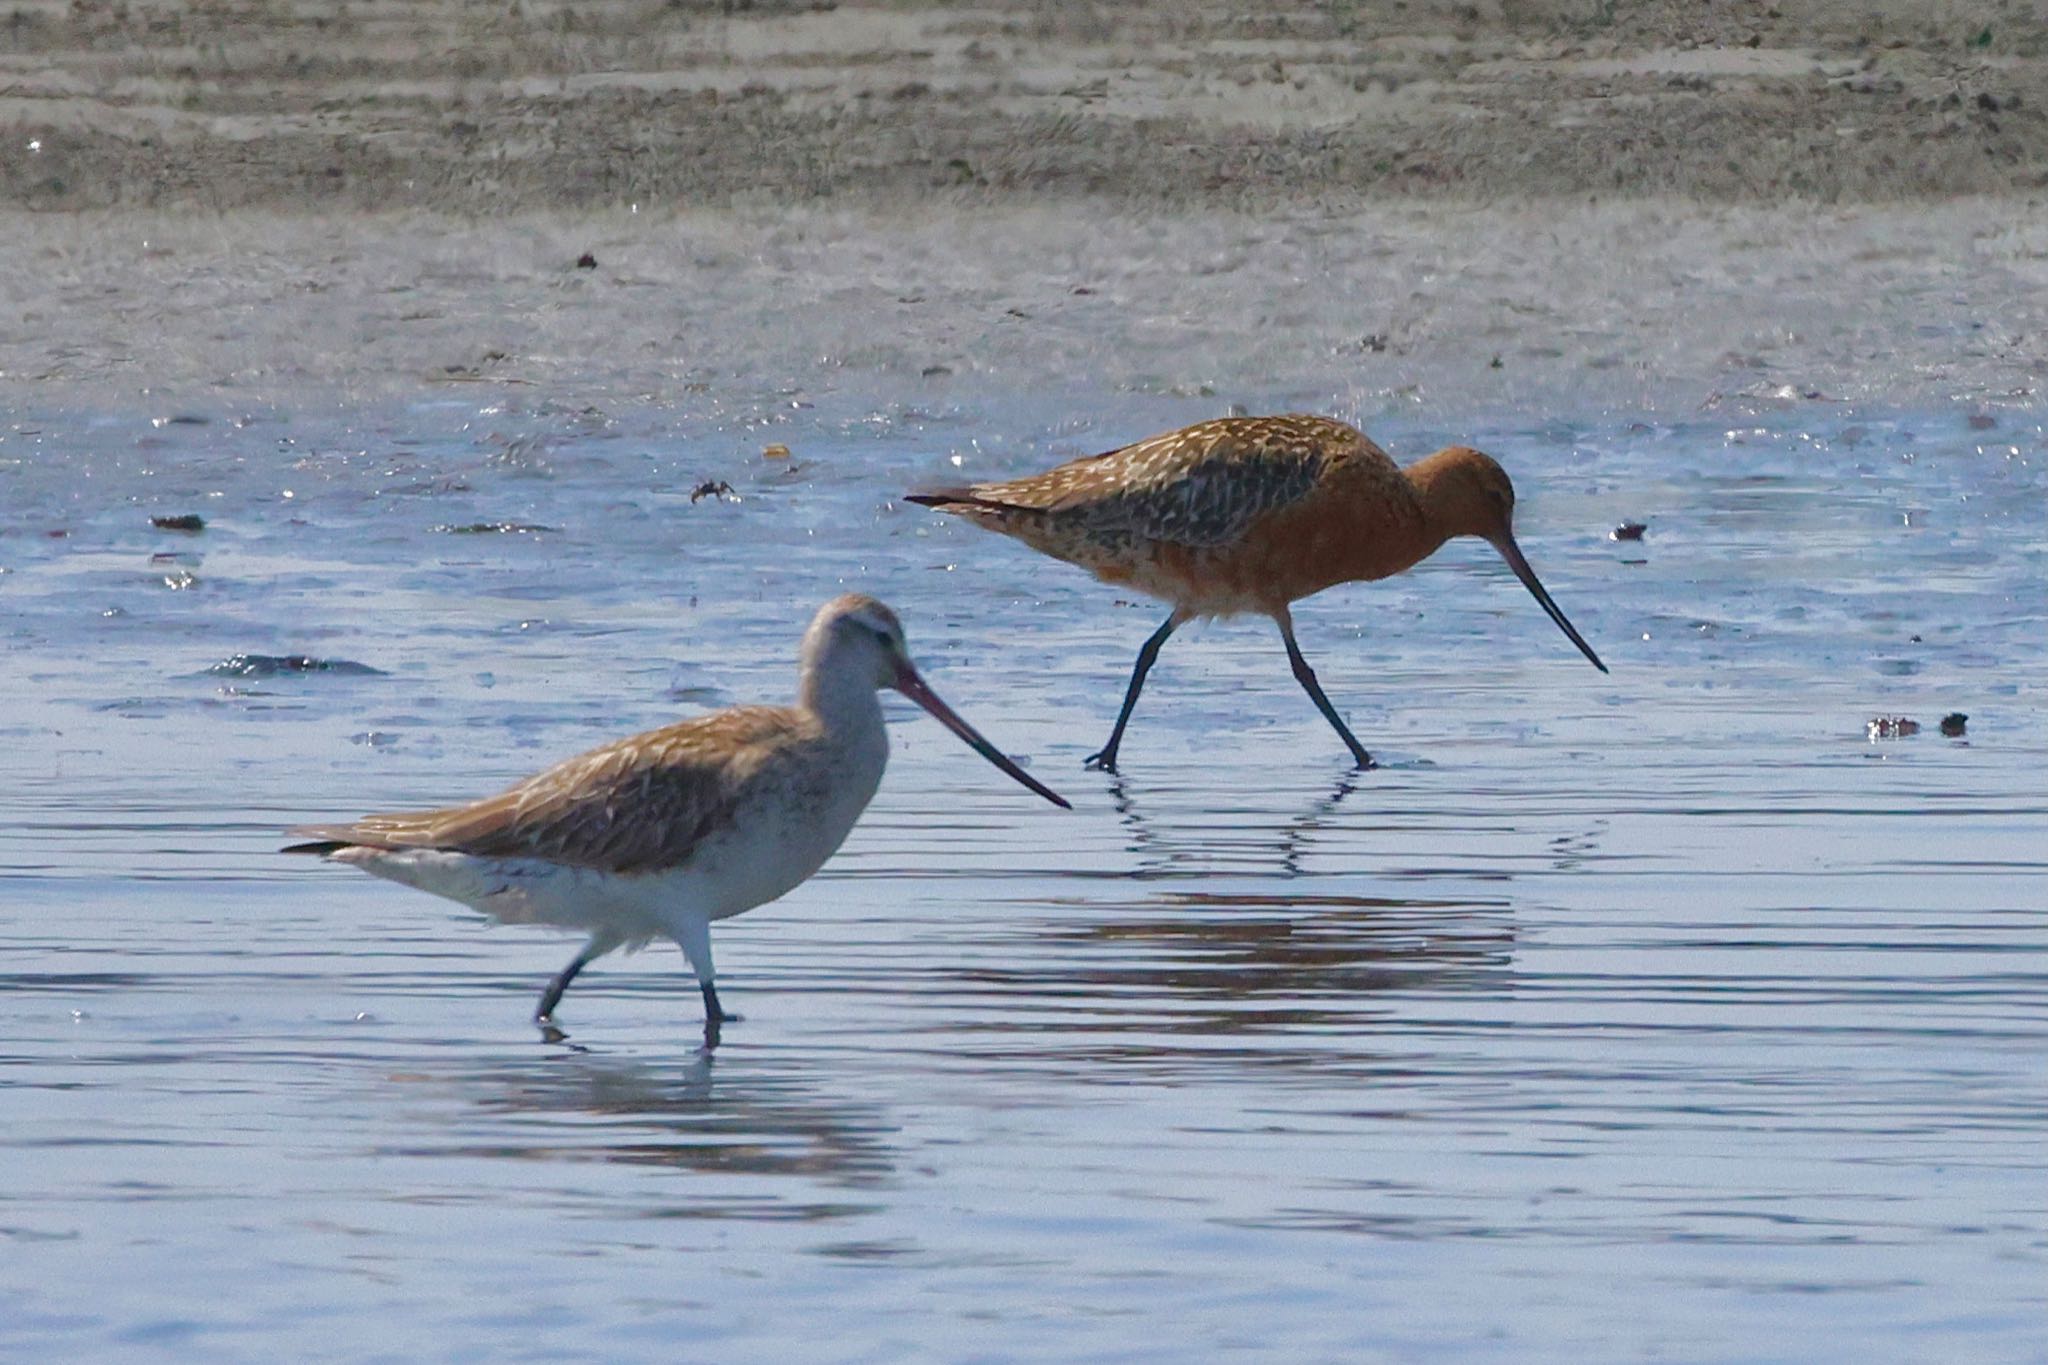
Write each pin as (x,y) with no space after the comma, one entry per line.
(1665,1012)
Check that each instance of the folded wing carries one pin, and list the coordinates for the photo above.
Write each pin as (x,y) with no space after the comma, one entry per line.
(1201,486)
(630,806)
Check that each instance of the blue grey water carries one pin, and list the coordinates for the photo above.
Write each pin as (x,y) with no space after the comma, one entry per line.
(1660,1013)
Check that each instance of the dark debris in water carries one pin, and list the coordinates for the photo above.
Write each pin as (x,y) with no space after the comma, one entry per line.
(1954,725)
(497,528)
(1628,530)
(190,522)
(278,665)
(713,488)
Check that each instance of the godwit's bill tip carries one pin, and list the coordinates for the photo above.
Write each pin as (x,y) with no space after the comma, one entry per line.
(913,687)
(1512,553)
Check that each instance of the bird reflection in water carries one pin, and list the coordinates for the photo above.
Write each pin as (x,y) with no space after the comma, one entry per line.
(1262,936)
(1161,856)
(1570,852)
(681,1115)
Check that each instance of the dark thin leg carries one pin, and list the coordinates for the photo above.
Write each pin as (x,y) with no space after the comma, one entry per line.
(1306,676)
(715,1018)
(552,996)
(711,1010)
(1106,758)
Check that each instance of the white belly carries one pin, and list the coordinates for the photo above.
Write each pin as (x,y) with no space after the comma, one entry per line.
(525,890)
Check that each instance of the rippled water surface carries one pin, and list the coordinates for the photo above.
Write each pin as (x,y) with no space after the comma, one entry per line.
(1659,1013)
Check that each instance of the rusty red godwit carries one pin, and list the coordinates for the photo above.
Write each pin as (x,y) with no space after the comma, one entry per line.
(1251,514)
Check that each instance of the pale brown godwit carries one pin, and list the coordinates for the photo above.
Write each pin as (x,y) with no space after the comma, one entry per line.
(659,834)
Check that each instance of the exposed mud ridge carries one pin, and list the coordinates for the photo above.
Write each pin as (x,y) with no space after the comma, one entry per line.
(687,104)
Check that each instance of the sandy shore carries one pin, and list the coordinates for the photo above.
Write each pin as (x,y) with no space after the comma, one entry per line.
(472,108)
(1435,309)
(1649,206)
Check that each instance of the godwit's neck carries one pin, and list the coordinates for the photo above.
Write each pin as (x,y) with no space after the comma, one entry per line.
(843,702)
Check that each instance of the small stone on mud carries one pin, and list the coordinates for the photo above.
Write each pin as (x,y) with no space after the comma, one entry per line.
(586,262)
(1953,723)
(184,521)
(1892,727)
(1628,530)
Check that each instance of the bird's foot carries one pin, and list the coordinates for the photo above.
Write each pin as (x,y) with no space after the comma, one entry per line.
(550,1032)
(1102,762)
(714,1028)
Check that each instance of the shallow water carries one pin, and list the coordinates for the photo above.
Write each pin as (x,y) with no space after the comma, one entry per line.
(1663,1012)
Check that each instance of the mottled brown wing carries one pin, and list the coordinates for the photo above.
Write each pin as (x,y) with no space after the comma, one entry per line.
(629,806)
(1199,486)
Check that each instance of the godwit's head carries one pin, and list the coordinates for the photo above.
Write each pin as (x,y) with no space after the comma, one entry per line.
(1466,493)
(854,642)
(855,647)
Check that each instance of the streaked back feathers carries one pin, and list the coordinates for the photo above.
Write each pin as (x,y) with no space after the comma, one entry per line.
(629,806)
(1198,486)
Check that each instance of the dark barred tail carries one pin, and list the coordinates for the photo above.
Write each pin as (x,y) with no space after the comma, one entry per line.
(939,497)
(953,499)
(319,846)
